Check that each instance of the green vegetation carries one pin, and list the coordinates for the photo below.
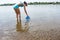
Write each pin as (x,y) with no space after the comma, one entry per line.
(31,3)
(8,4)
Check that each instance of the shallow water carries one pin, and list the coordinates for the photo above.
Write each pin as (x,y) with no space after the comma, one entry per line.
(43,17)
(40,15)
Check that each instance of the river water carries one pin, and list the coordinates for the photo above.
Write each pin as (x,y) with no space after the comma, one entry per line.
(42,17)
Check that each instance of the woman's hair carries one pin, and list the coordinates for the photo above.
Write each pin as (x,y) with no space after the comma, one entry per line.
(25,3)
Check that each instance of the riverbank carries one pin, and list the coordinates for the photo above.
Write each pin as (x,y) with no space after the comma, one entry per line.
(53,34)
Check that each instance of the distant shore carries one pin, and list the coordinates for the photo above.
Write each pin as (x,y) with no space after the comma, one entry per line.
(7,4)
(34,3)
(31,3)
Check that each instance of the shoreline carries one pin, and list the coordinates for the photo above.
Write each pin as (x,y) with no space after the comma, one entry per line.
(33,3)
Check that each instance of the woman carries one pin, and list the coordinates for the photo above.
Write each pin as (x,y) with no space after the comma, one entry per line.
(17,10)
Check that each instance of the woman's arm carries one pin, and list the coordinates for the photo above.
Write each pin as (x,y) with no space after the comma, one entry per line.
(25,10)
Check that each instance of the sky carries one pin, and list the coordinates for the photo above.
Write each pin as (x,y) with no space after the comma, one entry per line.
(16,1)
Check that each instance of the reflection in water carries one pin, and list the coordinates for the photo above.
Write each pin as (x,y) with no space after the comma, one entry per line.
(20,28)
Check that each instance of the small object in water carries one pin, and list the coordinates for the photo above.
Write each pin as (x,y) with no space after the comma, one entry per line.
(27,17)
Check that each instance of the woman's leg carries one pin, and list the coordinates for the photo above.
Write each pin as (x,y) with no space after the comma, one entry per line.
(17,13)
(17,17)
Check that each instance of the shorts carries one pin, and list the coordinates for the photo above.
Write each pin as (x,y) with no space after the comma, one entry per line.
(15,6)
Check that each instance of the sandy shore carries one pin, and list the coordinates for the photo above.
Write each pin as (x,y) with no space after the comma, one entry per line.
(39,30)
(12,34)
(35,31)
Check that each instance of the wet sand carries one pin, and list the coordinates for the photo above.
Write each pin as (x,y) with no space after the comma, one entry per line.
(40,31)
(33,35)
